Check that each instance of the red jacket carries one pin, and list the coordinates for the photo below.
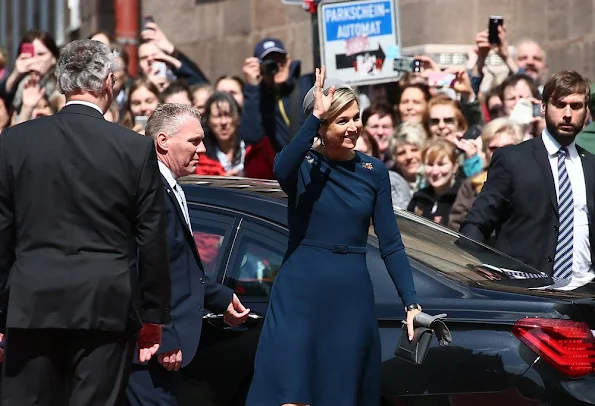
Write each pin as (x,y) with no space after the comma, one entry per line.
(208,166)
(258,162)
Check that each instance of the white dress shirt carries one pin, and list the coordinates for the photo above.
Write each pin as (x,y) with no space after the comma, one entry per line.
(582,267)
(85,103)
(177,189)
(226,163)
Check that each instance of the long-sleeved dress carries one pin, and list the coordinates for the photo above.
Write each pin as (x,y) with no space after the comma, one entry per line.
(320,343)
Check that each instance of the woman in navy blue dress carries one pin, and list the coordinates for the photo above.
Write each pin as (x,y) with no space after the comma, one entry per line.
(320,344)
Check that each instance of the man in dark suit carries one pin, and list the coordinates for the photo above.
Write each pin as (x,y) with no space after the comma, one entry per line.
(82,244)
(539,195)
(177,134)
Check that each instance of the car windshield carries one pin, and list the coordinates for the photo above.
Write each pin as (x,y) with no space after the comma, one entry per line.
(463,259)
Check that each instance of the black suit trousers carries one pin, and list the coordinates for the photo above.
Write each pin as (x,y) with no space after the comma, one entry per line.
(51,367)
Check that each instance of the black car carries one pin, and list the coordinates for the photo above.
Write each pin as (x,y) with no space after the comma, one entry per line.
(514,341)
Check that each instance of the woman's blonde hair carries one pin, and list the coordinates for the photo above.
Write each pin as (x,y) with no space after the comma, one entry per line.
(342,98)
(501,126)
(407,133)
(437,149)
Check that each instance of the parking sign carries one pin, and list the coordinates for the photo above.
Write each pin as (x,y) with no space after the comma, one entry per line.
(359,40)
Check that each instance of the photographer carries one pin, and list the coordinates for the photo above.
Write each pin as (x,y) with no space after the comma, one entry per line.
(273,95)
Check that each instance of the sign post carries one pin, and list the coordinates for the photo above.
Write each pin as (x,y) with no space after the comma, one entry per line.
(359,40)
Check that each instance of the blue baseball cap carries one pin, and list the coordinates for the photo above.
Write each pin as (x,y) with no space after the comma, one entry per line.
(267,46)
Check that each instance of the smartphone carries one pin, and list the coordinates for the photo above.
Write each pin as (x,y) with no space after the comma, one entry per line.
(418,66)
(141,120)
(472,132)
(522,113)
(441,79)
(147,19)
(537,110)
(403,64)
(161,69)
(494,23)
(27,48)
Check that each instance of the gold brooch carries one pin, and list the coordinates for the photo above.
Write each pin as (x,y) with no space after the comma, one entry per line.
(367,165)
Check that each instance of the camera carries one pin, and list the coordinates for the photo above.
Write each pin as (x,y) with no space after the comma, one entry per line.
(417,66)
(269,67)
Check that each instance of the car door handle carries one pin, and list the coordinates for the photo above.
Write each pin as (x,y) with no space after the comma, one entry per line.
(220,316)
(211,316)
(217,320)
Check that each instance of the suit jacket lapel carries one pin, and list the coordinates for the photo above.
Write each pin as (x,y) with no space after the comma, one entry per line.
(172,196)
(543,161)
(187,232)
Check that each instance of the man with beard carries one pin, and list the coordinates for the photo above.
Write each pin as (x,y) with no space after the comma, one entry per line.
(539,195)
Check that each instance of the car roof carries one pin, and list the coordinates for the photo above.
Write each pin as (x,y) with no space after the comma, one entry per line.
(264,187)
(266,199)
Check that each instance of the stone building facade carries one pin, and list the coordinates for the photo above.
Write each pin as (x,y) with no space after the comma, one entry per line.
(220,34)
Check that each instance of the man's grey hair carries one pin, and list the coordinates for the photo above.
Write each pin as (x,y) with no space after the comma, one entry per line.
(84,65)
(167,117)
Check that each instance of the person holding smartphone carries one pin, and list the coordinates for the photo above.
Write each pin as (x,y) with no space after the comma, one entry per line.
(529,57)
(38,54)
(143,98)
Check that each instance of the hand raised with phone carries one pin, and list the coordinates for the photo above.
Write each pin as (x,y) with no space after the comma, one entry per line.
(152,32)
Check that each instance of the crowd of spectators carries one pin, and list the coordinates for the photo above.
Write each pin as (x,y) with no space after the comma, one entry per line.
(435,138)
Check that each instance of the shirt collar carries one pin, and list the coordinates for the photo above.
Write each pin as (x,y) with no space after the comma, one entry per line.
(84,103)
(167,174)
(552,146)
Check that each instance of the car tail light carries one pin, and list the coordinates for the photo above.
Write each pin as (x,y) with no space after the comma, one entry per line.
(568,345)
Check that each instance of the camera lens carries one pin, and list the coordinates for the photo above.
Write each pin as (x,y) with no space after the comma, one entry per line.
(269,67)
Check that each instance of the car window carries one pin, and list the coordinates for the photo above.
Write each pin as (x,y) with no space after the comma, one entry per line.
(463,259)
(211,233)
(258,254)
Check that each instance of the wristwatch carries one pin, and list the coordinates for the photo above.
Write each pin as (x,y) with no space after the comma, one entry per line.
(413,306)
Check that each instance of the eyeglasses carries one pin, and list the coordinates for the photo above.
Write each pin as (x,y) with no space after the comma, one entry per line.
(446,120)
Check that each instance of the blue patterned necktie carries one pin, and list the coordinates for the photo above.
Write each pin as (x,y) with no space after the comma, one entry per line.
(563,258)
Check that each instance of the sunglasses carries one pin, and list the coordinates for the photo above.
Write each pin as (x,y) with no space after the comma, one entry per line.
(446,120)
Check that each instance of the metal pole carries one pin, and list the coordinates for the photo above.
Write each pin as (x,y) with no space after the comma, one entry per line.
(44,20)
(16,28)
(315,41)
(127,22)
(30,13)
(3,22)
(59,20)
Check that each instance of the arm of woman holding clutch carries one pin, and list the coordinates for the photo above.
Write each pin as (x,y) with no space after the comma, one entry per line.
(392,249)
(288,161)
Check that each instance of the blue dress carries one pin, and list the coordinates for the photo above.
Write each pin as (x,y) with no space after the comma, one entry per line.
(320,343)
